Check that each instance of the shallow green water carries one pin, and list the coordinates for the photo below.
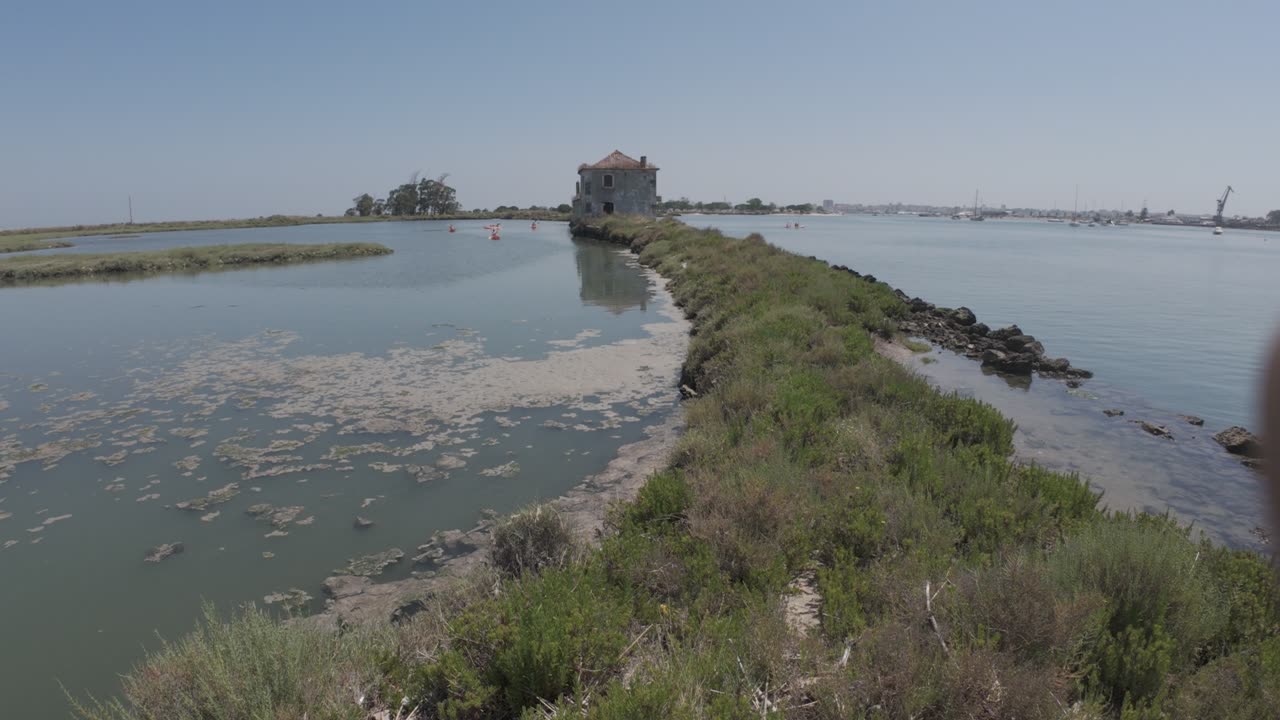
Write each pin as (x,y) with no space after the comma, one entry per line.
(509,370)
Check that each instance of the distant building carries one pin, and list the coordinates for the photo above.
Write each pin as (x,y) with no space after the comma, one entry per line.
(617,184)
(828,205)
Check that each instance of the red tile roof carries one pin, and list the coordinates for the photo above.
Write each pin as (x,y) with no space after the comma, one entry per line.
(617,161)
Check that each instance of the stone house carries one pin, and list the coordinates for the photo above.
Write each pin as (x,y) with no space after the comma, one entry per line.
(617,184)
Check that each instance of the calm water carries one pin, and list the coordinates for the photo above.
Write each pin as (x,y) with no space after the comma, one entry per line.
(415,390)
(1171,321)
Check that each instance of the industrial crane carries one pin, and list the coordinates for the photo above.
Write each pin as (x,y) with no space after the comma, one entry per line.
(1222,204)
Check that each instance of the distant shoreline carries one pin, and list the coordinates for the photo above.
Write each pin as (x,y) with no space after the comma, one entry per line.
(34,268)
(24,239)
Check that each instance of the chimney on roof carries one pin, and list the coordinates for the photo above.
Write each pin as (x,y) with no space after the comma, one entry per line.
(644,161)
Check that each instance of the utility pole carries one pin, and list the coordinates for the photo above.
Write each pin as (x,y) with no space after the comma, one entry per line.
(130,209)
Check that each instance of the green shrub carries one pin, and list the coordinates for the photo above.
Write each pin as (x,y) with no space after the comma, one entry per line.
(1241,686)
(531,540)
(851,526)
(567,632)
(249,666)
(1248,586)
(1013,607)
(843,587)
(1162,609)
(806,405)
(664,498)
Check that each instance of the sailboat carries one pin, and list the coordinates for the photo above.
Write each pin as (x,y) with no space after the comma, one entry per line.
(977,216)
(1075,207)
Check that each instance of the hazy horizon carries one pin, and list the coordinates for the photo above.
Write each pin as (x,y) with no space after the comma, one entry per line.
(241,110)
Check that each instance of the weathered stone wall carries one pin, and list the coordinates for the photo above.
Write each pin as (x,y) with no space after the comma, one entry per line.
(634,192)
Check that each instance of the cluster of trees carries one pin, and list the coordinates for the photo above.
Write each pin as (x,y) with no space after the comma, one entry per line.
(416,197)
(753,205)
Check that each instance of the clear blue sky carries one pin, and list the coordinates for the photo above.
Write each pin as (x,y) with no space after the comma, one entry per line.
(232,109)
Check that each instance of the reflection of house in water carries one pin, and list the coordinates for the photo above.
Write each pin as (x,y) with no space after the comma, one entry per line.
(607,278)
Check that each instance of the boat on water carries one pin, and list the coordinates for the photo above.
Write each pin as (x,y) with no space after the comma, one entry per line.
(1217,230)
(977,215)
(1057,220)
(1075,208)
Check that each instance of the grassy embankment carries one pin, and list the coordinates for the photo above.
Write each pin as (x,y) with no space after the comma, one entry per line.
(29,268)
(41,238)
(951,583)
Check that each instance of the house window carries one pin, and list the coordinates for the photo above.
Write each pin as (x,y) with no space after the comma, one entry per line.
(608,207)
(607,182)
(587,186)
(589,208)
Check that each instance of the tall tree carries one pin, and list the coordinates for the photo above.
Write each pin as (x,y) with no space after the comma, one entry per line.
(403,200)
(363,205)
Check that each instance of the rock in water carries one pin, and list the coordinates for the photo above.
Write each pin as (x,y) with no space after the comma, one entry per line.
(963,316)
(1193,420)
(160,552)
(1239,441)
(978,329)
(1005,333)
(1054,365)
(1153,429)
(1023,343)
(1113,413)
(363,522)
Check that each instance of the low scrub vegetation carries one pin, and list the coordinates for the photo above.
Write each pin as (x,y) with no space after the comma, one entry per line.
(32,241)
(25,268)
(532,540)
(948,581)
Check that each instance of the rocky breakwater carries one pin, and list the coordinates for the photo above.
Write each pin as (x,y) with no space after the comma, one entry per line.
(1006,350)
